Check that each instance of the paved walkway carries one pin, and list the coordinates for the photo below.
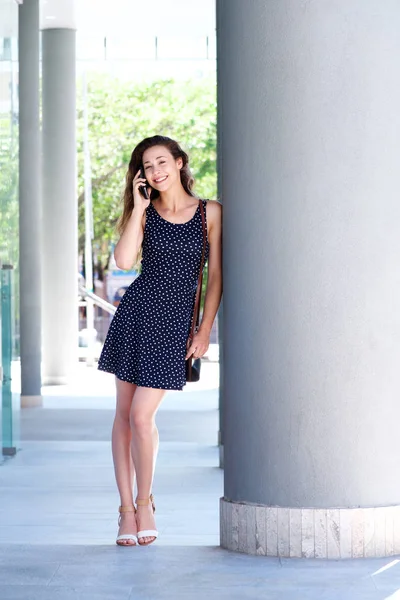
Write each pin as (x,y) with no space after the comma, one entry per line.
(58,513)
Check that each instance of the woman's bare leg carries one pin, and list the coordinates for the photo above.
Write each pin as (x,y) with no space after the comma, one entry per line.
(156,443)
(121,451)
(145,404)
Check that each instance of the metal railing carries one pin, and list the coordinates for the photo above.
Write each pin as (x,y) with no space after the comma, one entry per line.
(97,300)
(93,324)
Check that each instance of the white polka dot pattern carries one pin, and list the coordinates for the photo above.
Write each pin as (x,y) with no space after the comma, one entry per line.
(146,340)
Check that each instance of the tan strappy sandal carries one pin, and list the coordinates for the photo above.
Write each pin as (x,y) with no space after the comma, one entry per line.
(147,532)
(126,536)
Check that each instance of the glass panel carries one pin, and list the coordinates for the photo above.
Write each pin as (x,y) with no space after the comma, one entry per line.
(90,47)
(182,48)
(132,48)
(9,239)
(9,400)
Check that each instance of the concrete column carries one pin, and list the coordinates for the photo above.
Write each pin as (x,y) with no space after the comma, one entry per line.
(311,188)
(30,212)
(220,312)
(60,246)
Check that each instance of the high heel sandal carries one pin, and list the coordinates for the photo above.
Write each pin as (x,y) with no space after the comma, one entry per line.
(126,536)
(147,532)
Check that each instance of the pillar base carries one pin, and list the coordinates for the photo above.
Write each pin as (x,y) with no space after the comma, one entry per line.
(332,533)
(31,401)
(9,451)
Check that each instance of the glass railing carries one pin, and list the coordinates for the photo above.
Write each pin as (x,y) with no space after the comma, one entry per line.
(9,238)
(10,404)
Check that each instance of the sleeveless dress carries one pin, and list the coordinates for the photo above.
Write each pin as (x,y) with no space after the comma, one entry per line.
(146,340)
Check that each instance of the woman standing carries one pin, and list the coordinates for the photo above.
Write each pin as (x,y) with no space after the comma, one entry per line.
(147,342)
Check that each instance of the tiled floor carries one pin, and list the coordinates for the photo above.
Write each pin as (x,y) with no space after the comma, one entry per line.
(58,514)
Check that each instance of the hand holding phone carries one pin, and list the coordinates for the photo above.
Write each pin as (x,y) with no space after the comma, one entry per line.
(143,188)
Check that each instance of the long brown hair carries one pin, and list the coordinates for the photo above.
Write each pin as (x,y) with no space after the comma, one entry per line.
(135,163)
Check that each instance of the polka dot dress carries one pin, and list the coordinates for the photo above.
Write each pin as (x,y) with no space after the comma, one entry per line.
(146,340)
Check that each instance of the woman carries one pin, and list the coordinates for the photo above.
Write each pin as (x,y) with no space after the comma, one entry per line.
(147,342)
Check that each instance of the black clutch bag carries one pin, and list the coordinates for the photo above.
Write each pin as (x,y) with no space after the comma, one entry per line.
(193,365)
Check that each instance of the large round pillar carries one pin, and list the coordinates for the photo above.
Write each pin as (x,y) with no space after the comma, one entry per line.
(60,246)
(311,188)
(30,209)
(220,103)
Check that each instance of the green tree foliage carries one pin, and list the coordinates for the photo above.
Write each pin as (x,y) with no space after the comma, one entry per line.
(8,194)
(120,114)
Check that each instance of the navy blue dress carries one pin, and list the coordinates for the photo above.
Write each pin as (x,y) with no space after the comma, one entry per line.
(146,340)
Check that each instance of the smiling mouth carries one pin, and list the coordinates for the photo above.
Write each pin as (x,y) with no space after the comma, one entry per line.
(161,179)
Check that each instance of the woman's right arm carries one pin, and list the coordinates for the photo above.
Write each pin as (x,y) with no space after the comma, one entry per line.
(129,243)
(128,246)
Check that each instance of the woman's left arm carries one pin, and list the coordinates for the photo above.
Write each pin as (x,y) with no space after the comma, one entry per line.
(201,340)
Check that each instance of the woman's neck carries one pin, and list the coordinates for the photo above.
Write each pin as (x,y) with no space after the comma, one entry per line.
(174,200)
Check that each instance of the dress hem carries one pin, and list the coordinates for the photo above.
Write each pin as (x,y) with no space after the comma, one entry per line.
(156,387)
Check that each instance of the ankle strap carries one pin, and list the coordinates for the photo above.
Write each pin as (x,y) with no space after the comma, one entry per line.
(123,509)
(145,501)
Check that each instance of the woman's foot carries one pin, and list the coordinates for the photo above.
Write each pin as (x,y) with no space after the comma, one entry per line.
(127,532)
(147,532)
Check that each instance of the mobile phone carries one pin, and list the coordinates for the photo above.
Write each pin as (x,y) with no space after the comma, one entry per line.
(143,188)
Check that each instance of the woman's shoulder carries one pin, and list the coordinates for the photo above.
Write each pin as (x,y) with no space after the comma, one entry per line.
(213,203)
(214,214)
(214,208)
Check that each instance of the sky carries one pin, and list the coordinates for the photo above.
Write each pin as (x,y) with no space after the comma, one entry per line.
(185,32)
(156,17)
(180,26)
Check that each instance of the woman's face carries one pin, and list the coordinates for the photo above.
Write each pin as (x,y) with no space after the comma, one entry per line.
(160,168)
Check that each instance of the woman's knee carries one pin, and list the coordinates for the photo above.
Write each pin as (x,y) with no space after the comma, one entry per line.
(122,416)
(141,422)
